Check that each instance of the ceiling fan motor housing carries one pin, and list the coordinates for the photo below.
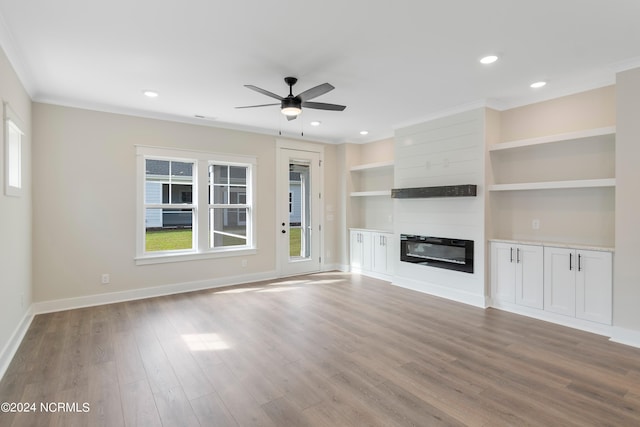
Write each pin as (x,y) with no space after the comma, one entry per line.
(291,102)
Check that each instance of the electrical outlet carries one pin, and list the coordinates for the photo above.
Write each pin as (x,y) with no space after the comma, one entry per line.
(244,262)
(535,224)
(105,279)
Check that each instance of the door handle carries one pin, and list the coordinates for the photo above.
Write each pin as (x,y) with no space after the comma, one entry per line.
(510,254)
(518,256)
(579,262)
(570,261)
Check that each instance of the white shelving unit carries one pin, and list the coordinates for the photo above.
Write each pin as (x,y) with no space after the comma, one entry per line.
(382,167)
(543,179)
(384,193)
(373,166)
(550,139)
(604,133)
(550,185)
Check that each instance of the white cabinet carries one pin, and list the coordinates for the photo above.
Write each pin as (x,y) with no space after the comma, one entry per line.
(517,274)
(560,281)
(360,250)
(578,283)
(383,252)
(372,253)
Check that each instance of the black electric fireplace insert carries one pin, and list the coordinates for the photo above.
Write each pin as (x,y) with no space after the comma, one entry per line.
(440,252)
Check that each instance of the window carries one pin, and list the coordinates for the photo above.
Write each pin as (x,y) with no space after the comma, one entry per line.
(228,208)
(193,205)
(168,206)
(13,153)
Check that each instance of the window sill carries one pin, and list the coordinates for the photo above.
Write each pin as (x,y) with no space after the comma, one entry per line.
(192,256)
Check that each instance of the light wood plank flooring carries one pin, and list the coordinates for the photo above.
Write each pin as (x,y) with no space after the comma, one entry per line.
(328,349)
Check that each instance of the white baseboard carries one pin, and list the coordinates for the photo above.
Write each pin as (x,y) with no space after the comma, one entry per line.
(156,291)
(9,350)
(625,336)
(441,291)
(558,319)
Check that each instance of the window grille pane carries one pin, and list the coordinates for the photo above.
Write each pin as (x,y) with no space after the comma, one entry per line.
(238,175)
(220,174)
(168,229)
(228,227)
(238,195)
(168,182)
(221,194)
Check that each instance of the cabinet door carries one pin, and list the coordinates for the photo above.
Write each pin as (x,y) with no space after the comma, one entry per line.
(529,276)
(503,272)
(393,252)
(382,249)
(560,280)
(367,250)
(594,286)
(357,253)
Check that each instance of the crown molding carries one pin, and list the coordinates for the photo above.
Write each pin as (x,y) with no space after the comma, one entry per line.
(7,44)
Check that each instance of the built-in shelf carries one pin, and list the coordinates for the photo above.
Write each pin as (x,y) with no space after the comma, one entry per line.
(372,166)
(568,136)
(550,185)
(386,193)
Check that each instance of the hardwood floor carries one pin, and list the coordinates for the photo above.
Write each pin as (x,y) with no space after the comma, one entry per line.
(328,349)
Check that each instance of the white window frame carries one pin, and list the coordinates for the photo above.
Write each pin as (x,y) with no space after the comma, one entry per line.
(13,153)
(200,205)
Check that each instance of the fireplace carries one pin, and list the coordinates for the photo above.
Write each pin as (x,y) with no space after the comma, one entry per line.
(440,252)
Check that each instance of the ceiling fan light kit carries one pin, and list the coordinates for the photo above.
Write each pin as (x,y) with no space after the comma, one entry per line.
(291,106)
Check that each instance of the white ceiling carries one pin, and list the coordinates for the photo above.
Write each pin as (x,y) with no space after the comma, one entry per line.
(393,63)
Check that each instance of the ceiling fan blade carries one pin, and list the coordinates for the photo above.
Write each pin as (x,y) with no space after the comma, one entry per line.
(289,118)
(323,106)
(261,105)
(264,92)
(314,92)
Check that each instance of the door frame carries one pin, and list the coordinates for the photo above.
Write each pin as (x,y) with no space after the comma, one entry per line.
(288,144)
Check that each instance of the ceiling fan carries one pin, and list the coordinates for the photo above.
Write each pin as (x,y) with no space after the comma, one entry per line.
(291,106)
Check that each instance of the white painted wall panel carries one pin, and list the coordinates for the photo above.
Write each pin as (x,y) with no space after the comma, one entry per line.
(446,151)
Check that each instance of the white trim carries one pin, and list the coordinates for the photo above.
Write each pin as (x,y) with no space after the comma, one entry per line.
(625,336)
(13,151)
(558,319)
(335,267)
(15,58)
(12,345)
(165,257)
(626,64)
(142,293)
(441,291)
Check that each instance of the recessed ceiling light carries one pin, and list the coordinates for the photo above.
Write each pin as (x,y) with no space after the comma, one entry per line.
(364,132)
(150,93)
(537,85)
(489,59)
(315,123)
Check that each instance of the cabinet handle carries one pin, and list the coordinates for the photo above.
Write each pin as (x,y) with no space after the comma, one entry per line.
(518,256)
(570,261)
(510,254)
(579,262)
